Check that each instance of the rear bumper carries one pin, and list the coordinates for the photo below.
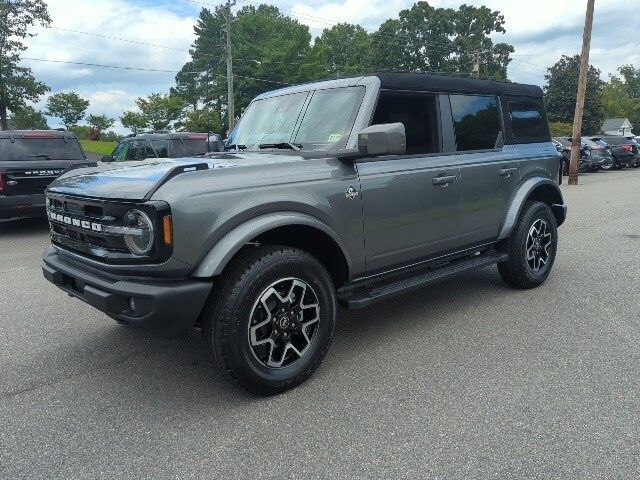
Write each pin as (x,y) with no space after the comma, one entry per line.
(20,205)
(168,308)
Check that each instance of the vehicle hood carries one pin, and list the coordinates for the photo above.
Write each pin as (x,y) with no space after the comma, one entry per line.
(136,180)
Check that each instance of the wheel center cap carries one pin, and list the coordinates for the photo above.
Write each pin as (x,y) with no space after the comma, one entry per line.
(284,322)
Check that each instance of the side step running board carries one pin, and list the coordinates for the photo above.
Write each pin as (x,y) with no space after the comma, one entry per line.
(360,298)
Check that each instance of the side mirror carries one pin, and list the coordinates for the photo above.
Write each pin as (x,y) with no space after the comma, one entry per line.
(383,139)
(106,158)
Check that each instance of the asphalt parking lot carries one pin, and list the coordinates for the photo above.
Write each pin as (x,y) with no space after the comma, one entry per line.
(466,379)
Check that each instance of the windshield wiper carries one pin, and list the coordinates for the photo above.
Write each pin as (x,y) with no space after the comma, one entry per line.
(281,145)
(234,147)
(41,155)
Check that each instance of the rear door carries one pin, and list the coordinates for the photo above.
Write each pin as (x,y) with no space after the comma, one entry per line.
(489,173)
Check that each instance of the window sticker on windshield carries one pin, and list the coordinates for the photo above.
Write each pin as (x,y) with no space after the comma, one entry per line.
(334,137)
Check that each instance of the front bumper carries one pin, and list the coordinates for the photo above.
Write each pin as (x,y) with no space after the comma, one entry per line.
(166,307)
(20,205)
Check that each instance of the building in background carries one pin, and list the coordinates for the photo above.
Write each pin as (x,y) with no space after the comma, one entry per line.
(617,126)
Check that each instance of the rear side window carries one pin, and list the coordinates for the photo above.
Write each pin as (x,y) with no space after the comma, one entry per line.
(476,122)
(528,120)
(24,149)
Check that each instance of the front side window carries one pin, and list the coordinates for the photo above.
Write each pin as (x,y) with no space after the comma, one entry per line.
(328,117)
(528,120)
(476,122)
(137,150)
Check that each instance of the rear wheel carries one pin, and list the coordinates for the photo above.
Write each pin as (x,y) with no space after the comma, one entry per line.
(531,247)
(270,321)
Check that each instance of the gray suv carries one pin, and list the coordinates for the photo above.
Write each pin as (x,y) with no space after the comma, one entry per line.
(341,192)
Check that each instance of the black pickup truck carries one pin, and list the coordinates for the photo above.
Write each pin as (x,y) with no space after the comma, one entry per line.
(29,161)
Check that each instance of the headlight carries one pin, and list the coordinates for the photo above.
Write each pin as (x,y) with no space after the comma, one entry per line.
(140,240)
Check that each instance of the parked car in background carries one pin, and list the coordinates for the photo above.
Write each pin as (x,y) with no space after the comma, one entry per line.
(620,148)
(29,161)
(140,146)
(635,145)
(599,154)
(587,163)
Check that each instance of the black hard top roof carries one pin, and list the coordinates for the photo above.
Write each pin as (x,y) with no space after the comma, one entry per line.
(443,83)
(169,135)
(37,133)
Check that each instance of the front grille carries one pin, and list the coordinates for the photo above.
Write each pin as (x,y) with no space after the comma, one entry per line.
(92,227)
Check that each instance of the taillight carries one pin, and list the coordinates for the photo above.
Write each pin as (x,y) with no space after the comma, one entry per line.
(1,182)
(628,148)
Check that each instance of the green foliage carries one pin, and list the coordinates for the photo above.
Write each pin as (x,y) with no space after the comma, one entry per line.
(83,132)
(134,121)
(442,40)
(28,118)
(560,94)
(98,147)
(68,107)
(17,84)
(621,96)
(560,129)
(100,122)
(110,136)
(203,120)
(159,110)
(342,50)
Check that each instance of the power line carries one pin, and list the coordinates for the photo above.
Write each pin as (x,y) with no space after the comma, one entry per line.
(142,69)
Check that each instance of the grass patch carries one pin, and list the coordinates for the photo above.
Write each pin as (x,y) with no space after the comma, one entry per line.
(98,147)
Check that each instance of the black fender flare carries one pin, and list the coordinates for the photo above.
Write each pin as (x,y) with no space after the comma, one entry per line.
(522,194)
(226,247)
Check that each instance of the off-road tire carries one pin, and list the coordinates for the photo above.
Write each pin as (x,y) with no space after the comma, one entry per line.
(226,317)
(516,271)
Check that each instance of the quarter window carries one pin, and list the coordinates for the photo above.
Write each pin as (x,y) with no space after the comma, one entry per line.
(476,122)
(527,120)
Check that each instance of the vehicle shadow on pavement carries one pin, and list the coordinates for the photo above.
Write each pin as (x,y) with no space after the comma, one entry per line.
(186,375)
(21,226)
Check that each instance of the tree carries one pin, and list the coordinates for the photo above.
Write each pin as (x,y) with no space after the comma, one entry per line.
(560,94)
(203,120)
(160,110)
(134,121)
(621,96)
(100,122)
(561,129)
(270,50)
(188,85)
(68,107)
(17,84)
(28,118)
(341,50)
(442,40)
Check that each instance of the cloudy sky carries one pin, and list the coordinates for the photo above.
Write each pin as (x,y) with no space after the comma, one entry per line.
(159,32)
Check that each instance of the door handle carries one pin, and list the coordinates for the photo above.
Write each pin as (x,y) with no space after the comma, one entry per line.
(507,172)
(444,180)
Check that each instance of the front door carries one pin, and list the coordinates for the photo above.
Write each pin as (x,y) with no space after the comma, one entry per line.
(411,208)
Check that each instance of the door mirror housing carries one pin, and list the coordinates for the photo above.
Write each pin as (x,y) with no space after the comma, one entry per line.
(383,139)
(106,158)
(215,143)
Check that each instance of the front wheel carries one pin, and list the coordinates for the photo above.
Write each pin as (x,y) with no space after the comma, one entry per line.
(269,322)
(531,247)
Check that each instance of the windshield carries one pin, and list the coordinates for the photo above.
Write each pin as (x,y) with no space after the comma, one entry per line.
(22,149)
(326,120)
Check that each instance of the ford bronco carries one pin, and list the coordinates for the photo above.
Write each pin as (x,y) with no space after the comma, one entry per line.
(29,161)
(340,192)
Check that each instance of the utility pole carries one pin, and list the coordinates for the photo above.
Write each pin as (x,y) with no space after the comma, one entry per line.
(582,89)
(230,106)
